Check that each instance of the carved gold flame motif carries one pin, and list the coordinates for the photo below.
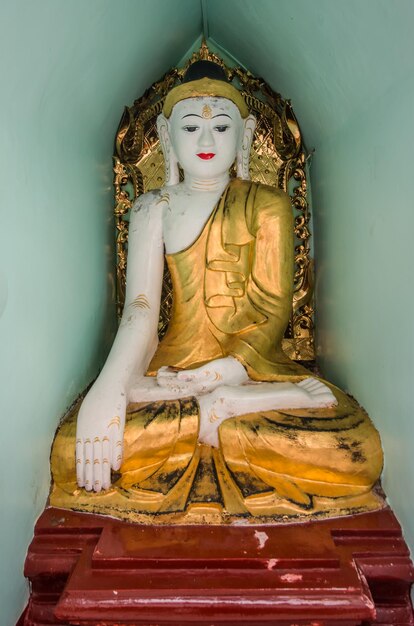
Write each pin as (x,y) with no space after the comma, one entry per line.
(278,158)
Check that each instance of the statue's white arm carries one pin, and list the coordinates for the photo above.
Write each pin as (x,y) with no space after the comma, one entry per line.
(101,420)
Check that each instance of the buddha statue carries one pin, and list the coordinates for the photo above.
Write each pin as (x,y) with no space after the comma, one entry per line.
(215,420)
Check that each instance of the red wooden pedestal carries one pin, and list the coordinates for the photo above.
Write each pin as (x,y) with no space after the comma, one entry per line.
(92,570)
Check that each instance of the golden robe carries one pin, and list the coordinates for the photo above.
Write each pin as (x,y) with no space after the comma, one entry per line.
(232,296)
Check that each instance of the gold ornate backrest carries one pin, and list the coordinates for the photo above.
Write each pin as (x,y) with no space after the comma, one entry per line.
(277,158)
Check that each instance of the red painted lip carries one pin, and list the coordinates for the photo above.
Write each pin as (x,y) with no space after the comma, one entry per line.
(206,155)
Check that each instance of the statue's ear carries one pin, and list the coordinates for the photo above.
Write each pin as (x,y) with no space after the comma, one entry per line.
(243,154)
(172,176)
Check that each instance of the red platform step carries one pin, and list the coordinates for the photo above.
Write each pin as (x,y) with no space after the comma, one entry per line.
(92,570)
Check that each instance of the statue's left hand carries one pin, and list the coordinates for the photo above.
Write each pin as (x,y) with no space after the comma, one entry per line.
(204,379)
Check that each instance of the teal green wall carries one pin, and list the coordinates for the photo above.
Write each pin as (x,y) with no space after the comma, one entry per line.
(347,66)
(68,69)
(362,178)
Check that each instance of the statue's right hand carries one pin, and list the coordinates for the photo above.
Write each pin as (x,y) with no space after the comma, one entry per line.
(99,436)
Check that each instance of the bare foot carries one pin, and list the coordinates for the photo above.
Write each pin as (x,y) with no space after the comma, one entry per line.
(214,409)
(320,395)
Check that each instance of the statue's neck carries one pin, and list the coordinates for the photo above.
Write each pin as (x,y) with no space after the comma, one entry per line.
(212,184)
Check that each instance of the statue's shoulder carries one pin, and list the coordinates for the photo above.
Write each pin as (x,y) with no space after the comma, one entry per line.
(267,195)
(262,197)
(148,202)
(145,220)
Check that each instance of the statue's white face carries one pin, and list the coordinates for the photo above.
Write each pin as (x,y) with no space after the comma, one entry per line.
(205,134)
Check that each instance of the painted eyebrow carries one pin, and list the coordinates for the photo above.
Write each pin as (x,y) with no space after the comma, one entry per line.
(201,117)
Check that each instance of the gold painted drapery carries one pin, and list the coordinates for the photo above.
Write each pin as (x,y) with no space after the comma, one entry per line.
(231,291)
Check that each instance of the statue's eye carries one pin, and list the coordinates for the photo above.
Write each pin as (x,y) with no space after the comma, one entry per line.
(190,129)
(222,128)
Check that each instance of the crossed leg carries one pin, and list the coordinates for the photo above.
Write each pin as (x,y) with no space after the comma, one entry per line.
(229,401)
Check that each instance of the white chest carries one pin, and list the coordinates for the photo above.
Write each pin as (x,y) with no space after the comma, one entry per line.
(184,217)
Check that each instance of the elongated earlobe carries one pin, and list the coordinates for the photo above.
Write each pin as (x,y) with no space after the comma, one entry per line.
(172,176)
(243,154)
